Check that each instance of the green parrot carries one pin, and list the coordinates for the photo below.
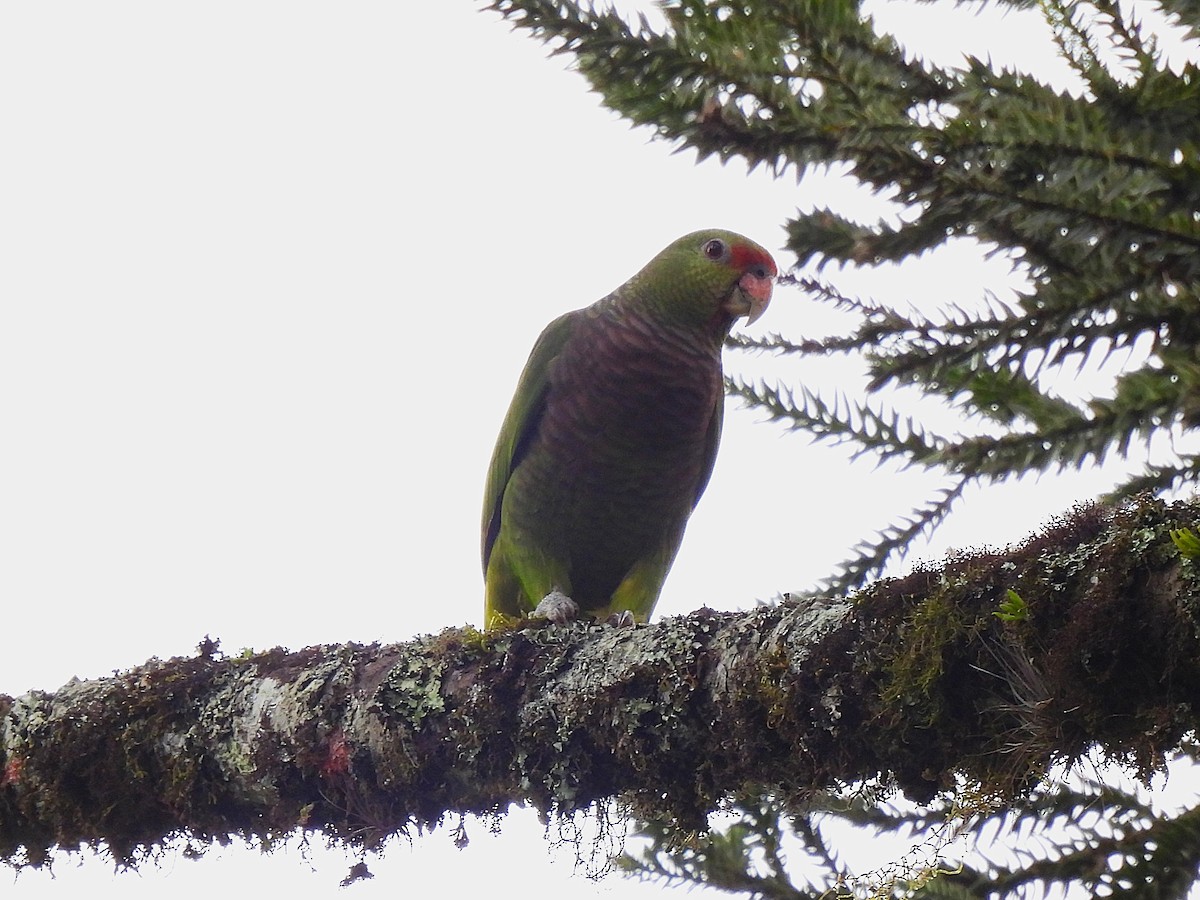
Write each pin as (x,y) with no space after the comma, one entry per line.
(612,434)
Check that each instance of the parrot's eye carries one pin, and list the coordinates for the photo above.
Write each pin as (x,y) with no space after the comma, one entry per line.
(714,249)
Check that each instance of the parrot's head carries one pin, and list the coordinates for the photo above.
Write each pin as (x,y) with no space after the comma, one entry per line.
(709,279)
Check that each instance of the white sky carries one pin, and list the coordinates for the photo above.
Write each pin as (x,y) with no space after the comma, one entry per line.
(268,273)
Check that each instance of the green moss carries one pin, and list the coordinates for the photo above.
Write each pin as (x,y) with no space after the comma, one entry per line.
(921,650)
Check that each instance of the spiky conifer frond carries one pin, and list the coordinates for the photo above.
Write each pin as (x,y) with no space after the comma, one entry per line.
(1103,838)
(1093,193)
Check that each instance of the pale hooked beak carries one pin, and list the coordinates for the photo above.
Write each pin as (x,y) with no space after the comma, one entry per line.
(751,298)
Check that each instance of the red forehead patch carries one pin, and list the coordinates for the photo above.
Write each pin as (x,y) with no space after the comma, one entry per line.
(744,256)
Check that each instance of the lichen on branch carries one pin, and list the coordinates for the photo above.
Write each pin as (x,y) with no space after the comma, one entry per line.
(915,682)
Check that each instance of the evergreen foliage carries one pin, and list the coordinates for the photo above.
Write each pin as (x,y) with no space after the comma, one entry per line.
(1092,193)
(1106,839)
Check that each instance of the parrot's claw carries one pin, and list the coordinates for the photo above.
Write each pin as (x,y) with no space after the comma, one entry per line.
(558,608)
(622,619)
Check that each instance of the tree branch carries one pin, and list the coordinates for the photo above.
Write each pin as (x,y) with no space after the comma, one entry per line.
(914,681)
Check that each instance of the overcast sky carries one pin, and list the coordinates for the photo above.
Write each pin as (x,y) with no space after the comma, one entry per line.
(268,273)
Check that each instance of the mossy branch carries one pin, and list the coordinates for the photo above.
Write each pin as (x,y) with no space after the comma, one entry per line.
(913,682)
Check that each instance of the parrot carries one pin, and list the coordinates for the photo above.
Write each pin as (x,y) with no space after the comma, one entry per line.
(611,436)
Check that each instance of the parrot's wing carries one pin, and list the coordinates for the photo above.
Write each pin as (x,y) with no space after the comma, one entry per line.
(521,422)
(712,441)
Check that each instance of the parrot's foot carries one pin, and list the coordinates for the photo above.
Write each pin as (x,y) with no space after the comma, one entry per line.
(622,619)
(558,608)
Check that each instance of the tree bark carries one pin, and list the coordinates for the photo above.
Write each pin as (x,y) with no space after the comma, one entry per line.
(914,682)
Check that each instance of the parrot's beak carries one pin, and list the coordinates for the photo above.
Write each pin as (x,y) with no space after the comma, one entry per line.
(751,297)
